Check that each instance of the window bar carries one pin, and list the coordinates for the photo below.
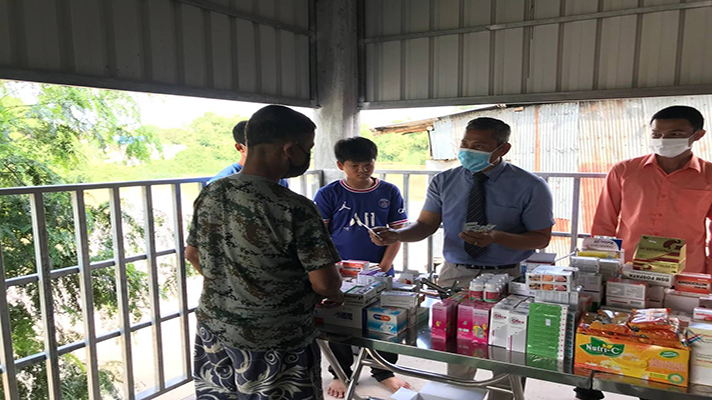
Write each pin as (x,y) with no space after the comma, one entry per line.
(431,262)
(122,292)
(303,185)
(9,377)
(39,231)
(154,289)
(575,214)
(406,201)
(182,284)
(87,293)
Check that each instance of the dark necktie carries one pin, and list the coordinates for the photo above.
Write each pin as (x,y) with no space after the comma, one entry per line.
(476,211)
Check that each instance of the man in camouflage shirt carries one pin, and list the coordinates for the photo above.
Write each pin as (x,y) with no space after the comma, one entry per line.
(267,259)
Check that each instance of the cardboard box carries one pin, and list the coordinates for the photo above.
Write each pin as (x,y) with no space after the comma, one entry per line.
(570,298)
(352,267)
(701,357)
(649,277)
(693,283)
(546,331)
(627,289)
(610,268)
(637,360)
(702,314)
(372,276)
(682,301)
(660,254)
(585,264)
(551,278)
(386,320)
(362,294)
(399,299)
(439,391)
(499,324)
(517,330)
(520,288)
(346,315)
(602,243)
(625,303)
(473,321)
(444,320)
(590,282)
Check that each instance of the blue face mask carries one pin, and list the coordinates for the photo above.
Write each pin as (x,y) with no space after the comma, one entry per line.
(475,160)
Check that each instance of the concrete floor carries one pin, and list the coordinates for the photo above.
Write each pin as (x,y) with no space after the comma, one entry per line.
(535,389)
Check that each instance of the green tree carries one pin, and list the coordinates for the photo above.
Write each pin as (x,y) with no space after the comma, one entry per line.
(45,142)
(409,149)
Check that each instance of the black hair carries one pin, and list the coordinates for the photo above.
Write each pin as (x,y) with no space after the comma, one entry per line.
(355,149)
(500,129)
(238,132)
(687,113)
(277,124)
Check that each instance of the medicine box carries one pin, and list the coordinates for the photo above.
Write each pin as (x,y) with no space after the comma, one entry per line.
(627,289)
(444,319)
(346,315)
(682,301)
(352,267)
(520,288)
(362,294)
(625,303)
(517,330)
(660,254)
(656,293)
(702,314)
(499,324)
(399,299)
(590,282)
(371,276)
(694,283)
(602,243)
(551,278)
(649,277)
(701,357)
(473,321)
(546,331)
(387,320)
(570,298)
(585,264)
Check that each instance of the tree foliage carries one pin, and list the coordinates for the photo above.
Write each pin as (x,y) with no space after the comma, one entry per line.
(44,141)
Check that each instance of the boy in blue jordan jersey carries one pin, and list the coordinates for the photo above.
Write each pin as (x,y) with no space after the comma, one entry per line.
(343,204)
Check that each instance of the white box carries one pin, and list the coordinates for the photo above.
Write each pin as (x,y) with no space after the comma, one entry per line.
(701,354)
(346,315)
(651,278)
(682,301)
(625,303)
(387,320)
(517,330)
(569,298)
(362,294)
(656,293)
(399,299)
(702,314)
(520,288)
(439,391)
(590,282)
(499,324)
(627,289)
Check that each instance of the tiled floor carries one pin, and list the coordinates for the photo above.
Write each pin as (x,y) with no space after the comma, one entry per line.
(535,389)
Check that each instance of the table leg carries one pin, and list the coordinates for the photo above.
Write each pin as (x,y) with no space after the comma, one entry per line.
(517,388)
(350,392)
(347,380)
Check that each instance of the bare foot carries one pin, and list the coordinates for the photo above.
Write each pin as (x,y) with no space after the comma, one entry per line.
(336,389)
(395,383)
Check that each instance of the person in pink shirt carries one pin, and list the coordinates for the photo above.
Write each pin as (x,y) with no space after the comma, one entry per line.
(667,193)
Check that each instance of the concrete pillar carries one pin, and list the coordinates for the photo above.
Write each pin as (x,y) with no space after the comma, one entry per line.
(337,80)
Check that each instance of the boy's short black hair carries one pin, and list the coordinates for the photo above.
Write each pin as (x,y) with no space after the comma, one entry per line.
(687,113)
(277,124)
(238,132)
(501,130)
(355,149)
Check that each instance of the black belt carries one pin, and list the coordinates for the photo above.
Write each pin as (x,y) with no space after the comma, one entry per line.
(483,267)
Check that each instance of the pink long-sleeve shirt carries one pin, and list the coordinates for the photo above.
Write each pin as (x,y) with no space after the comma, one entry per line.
(639,198)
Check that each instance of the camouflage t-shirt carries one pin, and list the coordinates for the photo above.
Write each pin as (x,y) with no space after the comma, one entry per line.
(257,242)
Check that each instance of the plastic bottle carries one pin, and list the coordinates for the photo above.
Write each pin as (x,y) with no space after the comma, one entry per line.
(492,292)
(477,289)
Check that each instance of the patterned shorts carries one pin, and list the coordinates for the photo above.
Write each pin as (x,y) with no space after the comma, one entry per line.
(227,373)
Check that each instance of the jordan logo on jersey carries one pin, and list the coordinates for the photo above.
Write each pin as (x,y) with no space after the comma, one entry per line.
(344,207)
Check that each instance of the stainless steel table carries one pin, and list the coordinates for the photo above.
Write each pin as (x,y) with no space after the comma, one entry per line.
(505,365)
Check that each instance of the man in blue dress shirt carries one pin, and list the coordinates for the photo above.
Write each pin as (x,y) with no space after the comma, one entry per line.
(486,190)
(238,133)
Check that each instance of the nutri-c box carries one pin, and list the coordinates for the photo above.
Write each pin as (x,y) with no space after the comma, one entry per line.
(387,320)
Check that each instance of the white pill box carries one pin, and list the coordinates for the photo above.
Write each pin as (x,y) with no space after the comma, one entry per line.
(399,299)
(388,320)
(627,289)
(651,278)
(550,278)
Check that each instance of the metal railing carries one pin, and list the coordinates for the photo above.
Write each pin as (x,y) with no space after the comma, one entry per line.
(44,275)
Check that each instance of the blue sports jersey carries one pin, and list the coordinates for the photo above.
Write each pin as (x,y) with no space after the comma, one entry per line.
(235,168)
(380,205)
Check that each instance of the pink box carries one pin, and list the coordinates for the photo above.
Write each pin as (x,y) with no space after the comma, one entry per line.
(444,320)
(473,318)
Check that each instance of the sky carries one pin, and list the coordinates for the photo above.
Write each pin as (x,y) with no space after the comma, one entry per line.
(169,111)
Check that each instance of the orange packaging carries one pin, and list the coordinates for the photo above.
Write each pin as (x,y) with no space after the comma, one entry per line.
(638,360)
(352,267)
(650,319)
(693,283)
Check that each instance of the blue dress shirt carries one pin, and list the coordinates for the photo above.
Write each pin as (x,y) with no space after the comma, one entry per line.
(516,201)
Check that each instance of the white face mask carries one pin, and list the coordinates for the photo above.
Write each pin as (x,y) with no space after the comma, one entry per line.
(670,147)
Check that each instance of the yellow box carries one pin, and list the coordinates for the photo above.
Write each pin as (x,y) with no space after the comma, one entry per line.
(637,360)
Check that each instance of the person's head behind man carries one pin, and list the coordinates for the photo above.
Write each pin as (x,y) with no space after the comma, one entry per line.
(280,138)
(485,142)
(674,129)
(357,158)
(238,133)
